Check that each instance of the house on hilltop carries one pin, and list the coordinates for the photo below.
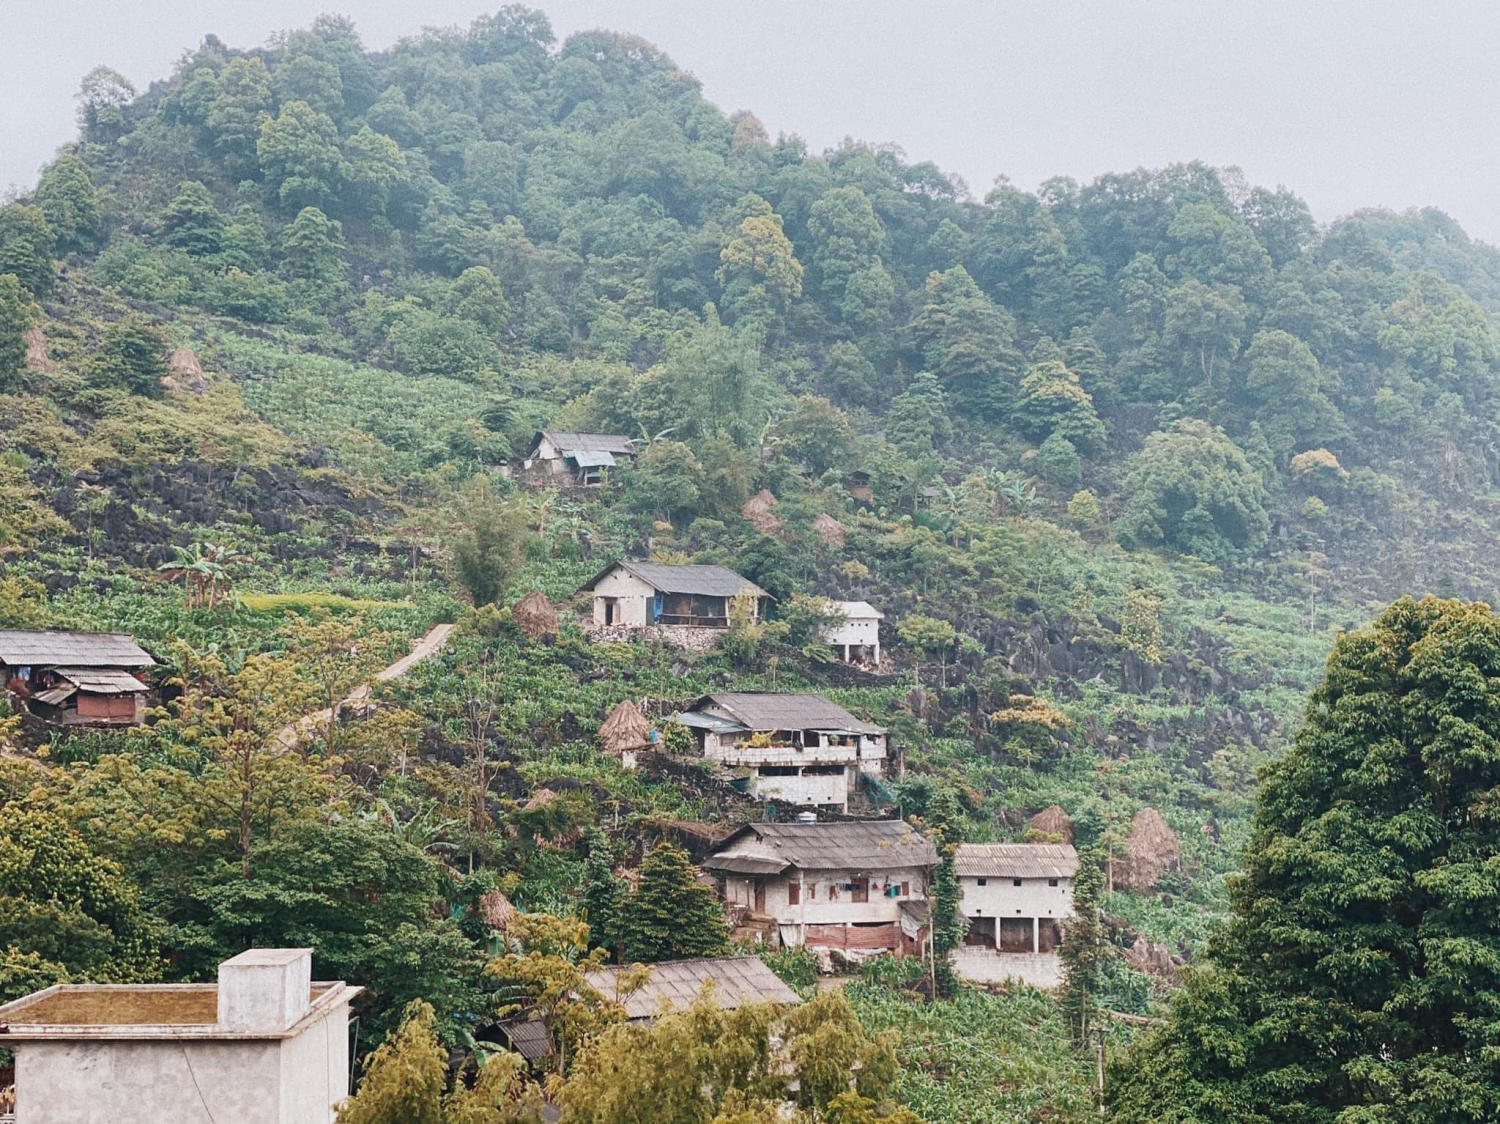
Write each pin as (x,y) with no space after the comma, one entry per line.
(76,678)
(575,458)
(855,636)
(856,886)
(802,749)
(1015,898)
(640,594)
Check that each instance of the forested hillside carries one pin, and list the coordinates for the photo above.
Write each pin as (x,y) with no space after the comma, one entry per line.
(1116,460)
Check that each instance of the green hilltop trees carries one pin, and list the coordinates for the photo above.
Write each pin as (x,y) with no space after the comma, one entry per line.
(1359,976)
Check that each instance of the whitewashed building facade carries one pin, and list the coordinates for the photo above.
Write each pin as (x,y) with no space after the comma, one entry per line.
(800,749)
(855,636)
(1015,898)
(858,886)
(634,595)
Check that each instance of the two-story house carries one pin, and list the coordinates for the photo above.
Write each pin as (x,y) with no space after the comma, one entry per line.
(857,886)
(1015,898)
(800,749)
(855,635)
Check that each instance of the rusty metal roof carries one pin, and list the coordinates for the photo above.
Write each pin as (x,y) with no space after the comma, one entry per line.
(55,648)
(703,581)
(781,710)
(1015,860)
(572,444)
(856,845)
(673,986)
(102,680)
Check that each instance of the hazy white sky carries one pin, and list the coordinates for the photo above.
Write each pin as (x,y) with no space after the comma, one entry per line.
(1351,103)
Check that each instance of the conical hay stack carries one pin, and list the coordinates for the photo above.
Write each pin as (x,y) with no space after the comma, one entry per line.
(1153,849)
(759,510)
(534,615)
(832,532)
(497,910)
(626,728)
(1053,821)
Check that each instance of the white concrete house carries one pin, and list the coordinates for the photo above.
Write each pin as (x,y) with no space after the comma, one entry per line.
(855,637)
(1015,898)
(266,1043)
(800,749)
(640,594)
(577,458)
(857,886)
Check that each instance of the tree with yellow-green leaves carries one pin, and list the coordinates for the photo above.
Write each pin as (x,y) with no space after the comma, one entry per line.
(758,270)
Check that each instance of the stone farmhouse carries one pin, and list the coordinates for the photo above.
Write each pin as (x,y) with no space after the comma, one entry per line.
(76,678)
(856,886)
(800,749)
(642,594)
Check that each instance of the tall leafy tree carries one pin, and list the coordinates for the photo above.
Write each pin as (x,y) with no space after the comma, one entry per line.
(132,356)
(1358,978)
(1083,950)
(15,318)
(69,202)
(192,223)
(299,155)
(26,248)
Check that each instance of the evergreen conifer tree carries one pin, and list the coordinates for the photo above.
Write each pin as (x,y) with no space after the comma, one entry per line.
(670,916)
(1083,949)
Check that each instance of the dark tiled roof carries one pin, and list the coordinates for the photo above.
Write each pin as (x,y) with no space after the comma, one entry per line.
(704,581)
(1015,860)
(674,985)
(571,443)
(853,845)
(71,649)
(776,710)
(528,1037)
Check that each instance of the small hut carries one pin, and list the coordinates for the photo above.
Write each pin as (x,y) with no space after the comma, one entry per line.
(497,910)
(1054,823)
(624,732)
(1153,849)
(535,616)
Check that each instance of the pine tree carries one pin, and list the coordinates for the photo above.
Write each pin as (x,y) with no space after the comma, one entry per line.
(1083,949)
(132,356)
(15,318)
(670,916)
(602,892)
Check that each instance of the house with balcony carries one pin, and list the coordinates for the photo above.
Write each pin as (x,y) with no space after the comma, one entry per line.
(799,749)
(1015,898)
(643,594)
(856,886)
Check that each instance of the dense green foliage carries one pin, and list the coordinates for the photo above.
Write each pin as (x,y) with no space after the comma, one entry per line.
(1115,460)
(1357,979)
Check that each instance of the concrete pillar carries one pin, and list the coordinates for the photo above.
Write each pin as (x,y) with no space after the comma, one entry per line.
(265,989)
(1036,934)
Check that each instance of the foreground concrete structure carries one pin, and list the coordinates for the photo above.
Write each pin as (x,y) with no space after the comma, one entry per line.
(266,1043)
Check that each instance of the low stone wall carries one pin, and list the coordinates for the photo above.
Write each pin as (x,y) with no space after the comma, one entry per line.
(1041,970)
(690,638)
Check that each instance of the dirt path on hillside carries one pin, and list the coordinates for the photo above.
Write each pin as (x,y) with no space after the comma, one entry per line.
(291,735)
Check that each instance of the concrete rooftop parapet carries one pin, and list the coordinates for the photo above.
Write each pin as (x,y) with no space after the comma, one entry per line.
(264,989)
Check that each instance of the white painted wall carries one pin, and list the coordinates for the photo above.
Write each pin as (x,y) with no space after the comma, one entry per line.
(865,630)
(634,596)
(999,897)
(297,1080)
(823,791)
(820,904)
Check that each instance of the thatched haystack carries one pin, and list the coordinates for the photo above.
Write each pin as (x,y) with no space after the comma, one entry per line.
(534,615)
(760,510)
(625,729)
(37,360)
(1052,823)
(497,910)
(544,798)
(830,530)
(185,373)
(1153,849)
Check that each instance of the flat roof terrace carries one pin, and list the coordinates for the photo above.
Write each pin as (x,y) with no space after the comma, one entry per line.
(142,1011)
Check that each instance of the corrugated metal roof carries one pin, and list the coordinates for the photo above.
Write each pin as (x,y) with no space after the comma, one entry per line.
(572,444)
(57,695)
(589,458)
(1015,860)
(51,648)
(853,845)
(102,681)
(744,864)
(674,985)
(528,1037)
(779,710)
(704,581)
(858,611)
